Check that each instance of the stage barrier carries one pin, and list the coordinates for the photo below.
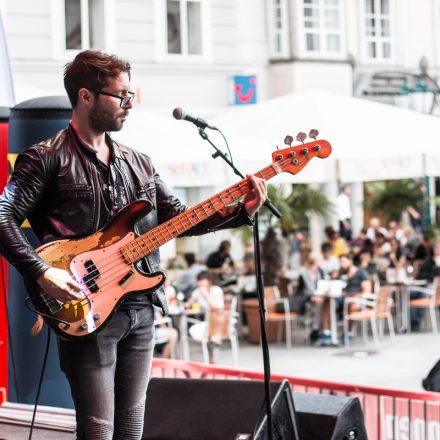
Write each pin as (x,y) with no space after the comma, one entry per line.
(389,414)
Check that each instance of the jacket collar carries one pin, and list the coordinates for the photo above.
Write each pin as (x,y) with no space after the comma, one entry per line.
(115,147)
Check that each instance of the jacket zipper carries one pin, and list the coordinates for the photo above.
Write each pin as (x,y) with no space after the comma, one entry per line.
(97,210)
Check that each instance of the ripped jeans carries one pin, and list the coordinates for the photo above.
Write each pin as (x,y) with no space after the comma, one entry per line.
(108,376)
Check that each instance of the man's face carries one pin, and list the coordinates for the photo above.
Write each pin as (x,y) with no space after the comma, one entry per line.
(106,113)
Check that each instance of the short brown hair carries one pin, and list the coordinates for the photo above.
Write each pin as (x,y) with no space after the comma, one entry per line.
(91,69)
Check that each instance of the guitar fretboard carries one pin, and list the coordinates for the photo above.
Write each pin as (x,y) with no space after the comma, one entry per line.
(158,236)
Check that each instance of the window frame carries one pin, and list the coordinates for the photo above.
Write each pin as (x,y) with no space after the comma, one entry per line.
(322,32)
(161,34)
(59,49)
(378,39)
(284,32)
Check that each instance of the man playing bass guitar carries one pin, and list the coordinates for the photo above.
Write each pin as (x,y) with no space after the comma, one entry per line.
(70,186)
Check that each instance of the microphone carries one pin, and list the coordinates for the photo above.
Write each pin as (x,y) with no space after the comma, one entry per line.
(179,113)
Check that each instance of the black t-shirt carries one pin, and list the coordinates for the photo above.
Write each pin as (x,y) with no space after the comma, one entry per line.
(217,260)
(354,284)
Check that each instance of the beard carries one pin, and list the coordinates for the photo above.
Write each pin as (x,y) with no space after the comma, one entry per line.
(102,120)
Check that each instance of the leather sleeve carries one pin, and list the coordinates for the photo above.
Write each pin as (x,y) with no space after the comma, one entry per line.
(22,193)
(168,206)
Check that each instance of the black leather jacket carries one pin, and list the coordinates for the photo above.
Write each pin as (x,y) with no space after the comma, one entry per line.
(55,186)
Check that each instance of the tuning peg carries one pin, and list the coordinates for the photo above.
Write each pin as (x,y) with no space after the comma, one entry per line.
(301,137)
(288,140)
(313,134)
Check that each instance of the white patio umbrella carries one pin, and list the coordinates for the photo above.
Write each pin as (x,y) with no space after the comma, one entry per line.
(372,141)
(180,155)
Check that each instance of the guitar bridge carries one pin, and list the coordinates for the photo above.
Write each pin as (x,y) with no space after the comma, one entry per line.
(126,279)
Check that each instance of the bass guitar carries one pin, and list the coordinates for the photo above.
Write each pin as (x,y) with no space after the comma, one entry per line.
(104,263)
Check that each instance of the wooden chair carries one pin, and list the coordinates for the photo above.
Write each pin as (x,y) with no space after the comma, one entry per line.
(219,324)
(374,308)
(272,297)
(430,303)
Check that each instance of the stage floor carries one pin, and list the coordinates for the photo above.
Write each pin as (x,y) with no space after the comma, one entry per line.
(16,432)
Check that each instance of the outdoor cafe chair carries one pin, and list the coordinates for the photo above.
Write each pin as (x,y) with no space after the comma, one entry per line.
(374,308)
(272,297)
(219,324)
(432,302)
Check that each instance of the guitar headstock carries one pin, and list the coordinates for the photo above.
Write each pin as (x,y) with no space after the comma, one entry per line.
(294,159)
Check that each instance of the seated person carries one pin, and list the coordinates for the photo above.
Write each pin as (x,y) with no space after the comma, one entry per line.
(221,264)
(329,263)
(428,270)
(337,243)
(209,297)
(364,260)
(358,282)
(165,337)
(304,298)
(206,294)
(246,282)
(187,281)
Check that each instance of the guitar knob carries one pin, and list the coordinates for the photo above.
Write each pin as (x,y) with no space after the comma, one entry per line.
(97,316)
(84,326)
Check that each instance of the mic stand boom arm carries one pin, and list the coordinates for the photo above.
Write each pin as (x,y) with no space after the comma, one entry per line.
(260,286)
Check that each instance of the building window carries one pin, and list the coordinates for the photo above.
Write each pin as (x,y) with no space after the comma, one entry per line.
(84,24)
(278,28)
(184,27)
(377,30)
(321,28)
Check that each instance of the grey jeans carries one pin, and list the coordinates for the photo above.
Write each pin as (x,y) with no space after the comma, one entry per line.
(108,376)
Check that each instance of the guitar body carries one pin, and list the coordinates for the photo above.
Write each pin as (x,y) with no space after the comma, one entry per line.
(99,265)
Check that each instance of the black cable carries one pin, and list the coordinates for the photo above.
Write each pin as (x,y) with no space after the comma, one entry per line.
(10,346)
(37,312)
(227,145)
(40,382)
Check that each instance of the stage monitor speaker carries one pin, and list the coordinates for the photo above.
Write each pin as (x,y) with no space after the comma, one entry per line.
(202,409)
(327,417)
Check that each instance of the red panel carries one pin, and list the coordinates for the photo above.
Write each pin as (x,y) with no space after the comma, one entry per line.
(3,272)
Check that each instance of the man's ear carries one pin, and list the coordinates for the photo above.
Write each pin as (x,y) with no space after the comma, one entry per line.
(85,96)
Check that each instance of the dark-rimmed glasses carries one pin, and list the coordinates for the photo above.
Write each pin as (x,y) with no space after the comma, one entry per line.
(124,99)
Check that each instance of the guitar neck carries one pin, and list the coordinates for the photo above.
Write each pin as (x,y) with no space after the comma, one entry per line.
(158,236)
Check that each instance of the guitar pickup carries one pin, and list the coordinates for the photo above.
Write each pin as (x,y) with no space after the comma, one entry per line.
(126,278)
(92,274)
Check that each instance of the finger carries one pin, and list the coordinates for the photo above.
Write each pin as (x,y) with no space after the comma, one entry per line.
(74,285)
(257,183)
(75,294)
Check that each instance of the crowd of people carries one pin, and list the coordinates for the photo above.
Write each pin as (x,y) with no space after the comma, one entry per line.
(362,261)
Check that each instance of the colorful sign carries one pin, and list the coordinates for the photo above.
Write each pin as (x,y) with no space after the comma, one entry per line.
(245,89)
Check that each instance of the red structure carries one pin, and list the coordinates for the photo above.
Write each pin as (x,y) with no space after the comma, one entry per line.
(3,265)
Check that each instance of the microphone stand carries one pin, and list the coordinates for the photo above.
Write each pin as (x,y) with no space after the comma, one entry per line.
(260,285)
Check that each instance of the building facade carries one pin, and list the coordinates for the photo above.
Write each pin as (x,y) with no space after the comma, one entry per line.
(187,52)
